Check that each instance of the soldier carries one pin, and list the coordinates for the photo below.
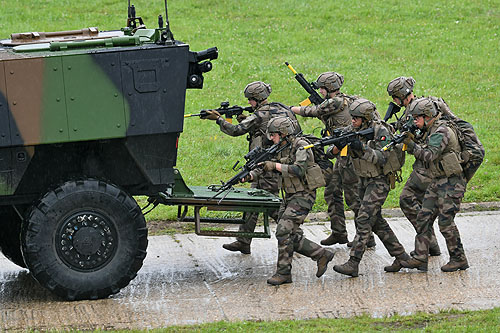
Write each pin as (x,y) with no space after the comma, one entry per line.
(255,126)
(374,186)
(334,113)
(410,199)
(440,155)
(300,177)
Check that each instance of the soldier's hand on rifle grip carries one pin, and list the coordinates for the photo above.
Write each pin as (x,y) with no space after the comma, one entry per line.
(356,144)
(331,152)
(212,115)
(409,138)
(267,165)
(241,117)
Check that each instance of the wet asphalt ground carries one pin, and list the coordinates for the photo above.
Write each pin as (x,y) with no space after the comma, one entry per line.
(188,279)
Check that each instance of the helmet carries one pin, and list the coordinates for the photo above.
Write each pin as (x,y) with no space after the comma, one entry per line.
(362,108)
(257,90)
(283,125)
(330,80)
(423,106)
(400,87)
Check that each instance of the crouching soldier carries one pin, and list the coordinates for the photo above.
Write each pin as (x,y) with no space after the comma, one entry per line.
(374,186)
(440,154)
(300,177)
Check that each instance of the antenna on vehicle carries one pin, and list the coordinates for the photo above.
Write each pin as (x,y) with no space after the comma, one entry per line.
(132,19)
(167,35)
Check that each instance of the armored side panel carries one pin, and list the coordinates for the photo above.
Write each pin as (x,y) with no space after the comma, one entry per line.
(110,107)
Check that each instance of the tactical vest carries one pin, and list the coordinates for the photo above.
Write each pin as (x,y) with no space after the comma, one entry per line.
(472,150)
(363,167)
(313,177)
(264,113)
(448,163)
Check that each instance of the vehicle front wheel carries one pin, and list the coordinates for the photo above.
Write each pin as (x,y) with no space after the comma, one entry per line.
(85,240)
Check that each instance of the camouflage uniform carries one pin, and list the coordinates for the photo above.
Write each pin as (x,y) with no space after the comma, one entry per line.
(256,125)
(298,200)
(341,179)
(443,195)
(374,186)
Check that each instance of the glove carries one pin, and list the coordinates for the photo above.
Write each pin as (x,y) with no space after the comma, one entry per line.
(212,115)
(356,145)
(341,144)
(241,117)
(409,138)
(329,152)
(268,165)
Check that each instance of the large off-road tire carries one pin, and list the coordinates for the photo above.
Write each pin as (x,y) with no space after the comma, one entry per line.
(85,240)
(10,235)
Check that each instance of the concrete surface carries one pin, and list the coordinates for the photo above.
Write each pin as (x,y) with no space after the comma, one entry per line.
(188,279)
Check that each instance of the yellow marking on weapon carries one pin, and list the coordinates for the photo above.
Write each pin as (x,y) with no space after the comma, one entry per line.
(405,147)
(343,152)
(291,68)
(305,102)
(229,120)
(188,115)
(308,146)
(384,148)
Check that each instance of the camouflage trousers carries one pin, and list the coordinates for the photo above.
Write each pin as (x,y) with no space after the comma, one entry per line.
(290,236)
(411,199)
(268,182)
(373,193)
(442,199)
(341,180)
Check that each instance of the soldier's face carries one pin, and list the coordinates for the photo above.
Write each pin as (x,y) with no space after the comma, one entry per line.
(419,121)
(397,101)
(323,92)
(275,137)
(357,122)
(252,102)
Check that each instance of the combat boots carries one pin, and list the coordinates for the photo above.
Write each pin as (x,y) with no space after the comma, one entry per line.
(278,279)
(334,239)
(237,246)
(396,264)
(414,263)
(323,262)
(455,265)
(349,268)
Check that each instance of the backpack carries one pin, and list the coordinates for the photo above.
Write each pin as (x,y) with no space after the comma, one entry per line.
(472,153)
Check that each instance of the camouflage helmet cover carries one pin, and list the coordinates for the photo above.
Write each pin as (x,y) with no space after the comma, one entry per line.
(423,106)
(283,125)
(257,90)
(362,108)
(330,80)
(401,87)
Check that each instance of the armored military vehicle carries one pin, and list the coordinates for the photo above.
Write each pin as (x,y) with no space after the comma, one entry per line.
(89,119)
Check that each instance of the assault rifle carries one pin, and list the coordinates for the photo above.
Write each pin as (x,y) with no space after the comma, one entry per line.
(407,128)
(314,97)
(225,110)
(392,110)
(341,140)
(253,158)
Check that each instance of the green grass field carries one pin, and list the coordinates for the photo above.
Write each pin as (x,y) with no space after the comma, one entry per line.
(449,47)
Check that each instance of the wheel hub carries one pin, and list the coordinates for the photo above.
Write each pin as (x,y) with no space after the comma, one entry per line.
(86,241)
